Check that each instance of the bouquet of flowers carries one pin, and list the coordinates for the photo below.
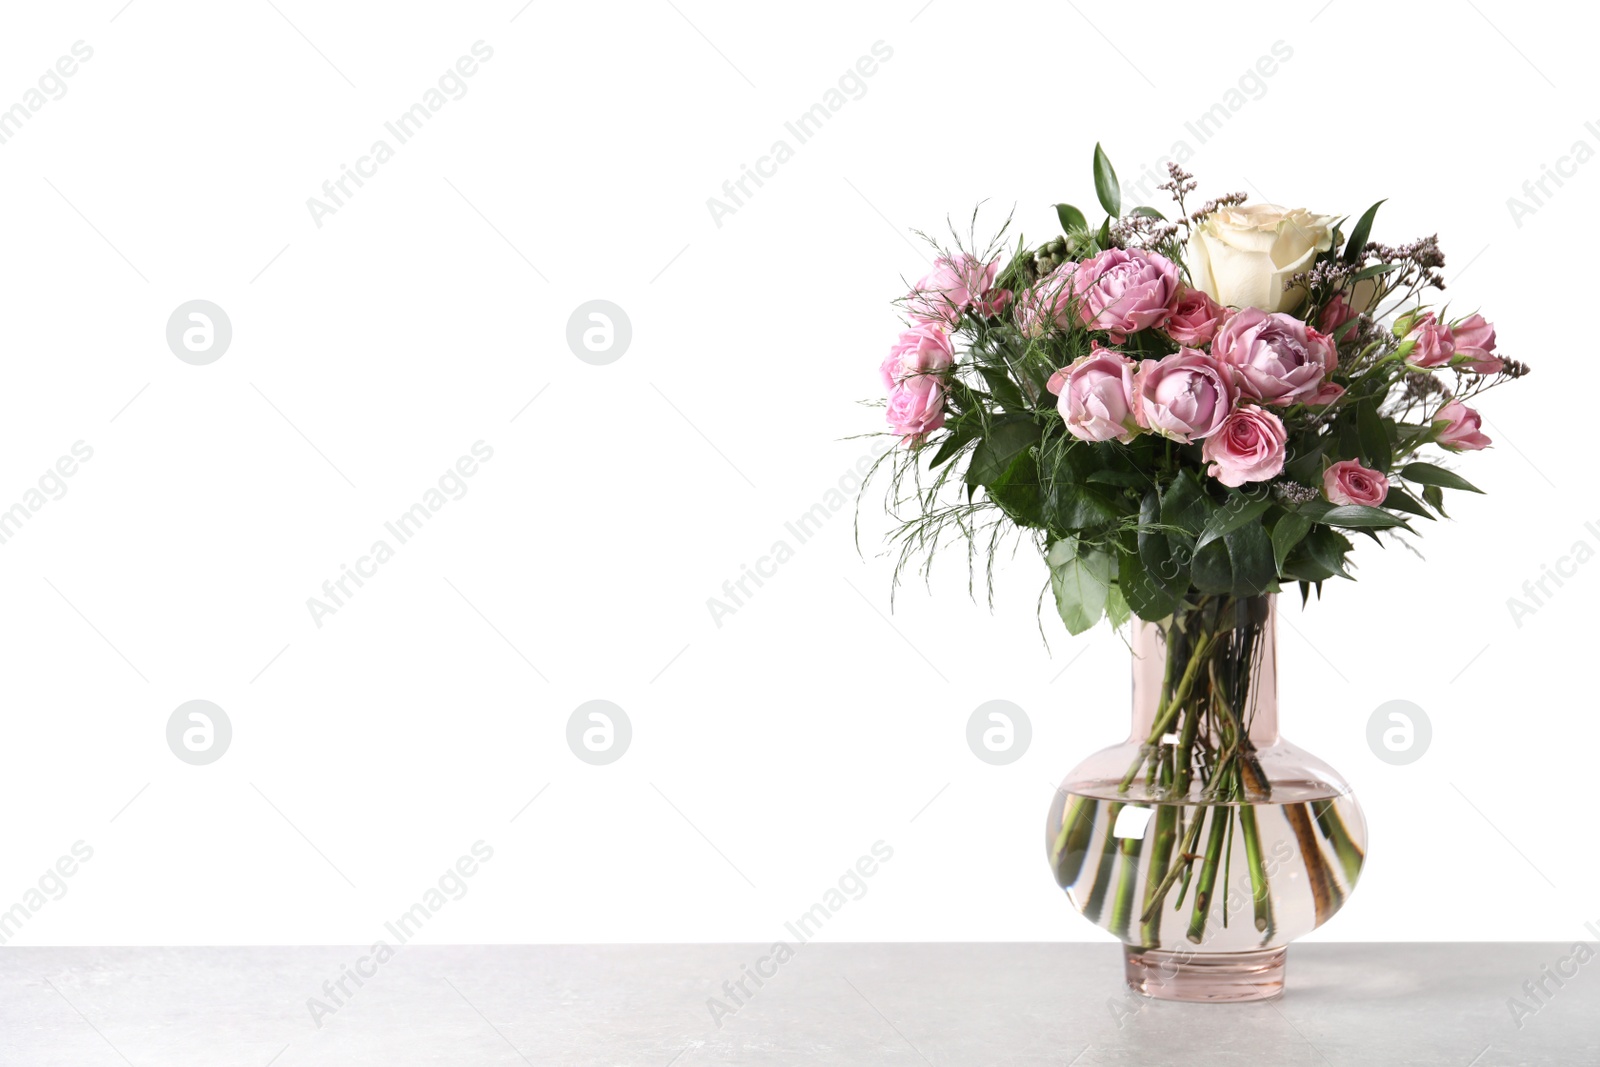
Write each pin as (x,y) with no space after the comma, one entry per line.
(1186,415)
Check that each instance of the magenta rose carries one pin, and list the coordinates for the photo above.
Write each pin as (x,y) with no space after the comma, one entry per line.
(1096,396)
(1432,342)
(1465,430)
(1195,319)
(1348,482)
(1277,358)
(1124,290)
(950,288)
(1184,396)
(1474,338)
(1248,448)
(1048,304)
(916,406)
(923,349)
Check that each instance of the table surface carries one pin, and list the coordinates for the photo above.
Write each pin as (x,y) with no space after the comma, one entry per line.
(856,1004)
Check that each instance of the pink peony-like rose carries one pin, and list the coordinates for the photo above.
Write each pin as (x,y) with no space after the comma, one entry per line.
(1096,396)
(922,349)
(1124,290)
(1474,338)
(1248,448)
(950,288)
(1277,358)
(1464,432)
(1348,482)
(1048,304)
(916,406)
(1195,319)
(1433,343)
(1184,396)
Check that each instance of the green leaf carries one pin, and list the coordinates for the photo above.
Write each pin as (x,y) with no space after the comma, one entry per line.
(1435,498)
(1234,513)
(1241,564)
(1358,236)
(1116,606)
(1290,529)
(1103,239)
(1328,548)
(1106,186)
(1017,491)
(1148,212)
(1071,218)
(1081,581)
(1398,499)
(1428,474)
(1184,504)
(1003,389)
(1147,593)
(1360,517)
(1004,441)
(1374,437)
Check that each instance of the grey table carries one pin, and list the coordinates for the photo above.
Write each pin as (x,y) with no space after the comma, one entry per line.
(937,1004)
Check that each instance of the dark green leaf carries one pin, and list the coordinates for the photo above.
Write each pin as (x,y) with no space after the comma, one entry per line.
(1184,504)
(1235,512)
(1435,498)
(1399,500)
(1103,239)
(1081,582)
(1071,218)
(1359,516)
(1148,212)
(1328,547)
(1374,437)
(1357,243)
(1003,389)
(1240,564)
(1004,441)
(1071,501)
(1017,491)
(1286,534)
(1106,186)
(1428,474)
(1149,597)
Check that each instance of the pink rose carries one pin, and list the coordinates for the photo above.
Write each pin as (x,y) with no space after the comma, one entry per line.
(1464,432)
(1433,343)
(950,288)
(1278,359)
(1195,319)
(1248,448)
(1048,304)
(1348,482)
(1184,396)
(1474,337)
(993,303)
(1335,313)
(923,349)
(1096,396)
(1125,290)
(916,406)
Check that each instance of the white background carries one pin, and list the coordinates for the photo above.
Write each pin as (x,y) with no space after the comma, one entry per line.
(770,752)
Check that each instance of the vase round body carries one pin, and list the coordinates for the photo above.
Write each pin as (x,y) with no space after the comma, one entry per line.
(1206,842)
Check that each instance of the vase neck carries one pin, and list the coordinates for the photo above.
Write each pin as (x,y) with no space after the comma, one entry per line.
(1227,649)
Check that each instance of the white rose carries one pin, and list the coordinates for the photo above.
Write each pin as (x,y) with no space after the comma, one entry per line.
(1244,256)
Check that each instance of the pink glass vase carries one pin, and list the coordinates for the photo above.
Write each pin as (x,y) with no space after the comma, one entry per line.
(1206,842)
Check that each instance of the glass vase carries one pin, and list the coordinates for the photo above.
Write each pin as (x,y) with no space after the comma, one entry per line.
(1206,842)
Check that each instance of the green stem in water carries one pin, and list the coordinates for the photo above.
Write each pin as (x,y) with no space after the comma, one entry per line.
(1333,828)
(1160,862)
(1258,871)
(1128,850)
(1072,843)
(1221,816)
(1102,875)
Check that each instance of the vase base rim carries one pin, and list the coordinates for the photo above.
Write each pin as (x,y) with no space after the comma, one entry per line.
(1205,977)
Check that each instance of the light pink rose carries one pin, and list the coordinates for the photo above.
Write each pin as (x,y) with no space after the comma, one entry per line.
(1195,319)
(1248,448)
(992,303)
(916,406)
(950,288)
(1434,345)
(923,349)
(1277,358)
(1096,396)
(1335,313)
(1464,432)
(1348,482)
(1048,304)
(1124,290)
(1184,396)
(1474,337)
